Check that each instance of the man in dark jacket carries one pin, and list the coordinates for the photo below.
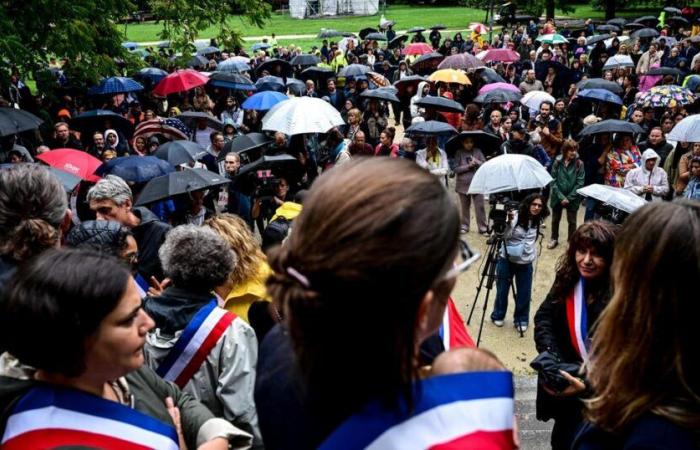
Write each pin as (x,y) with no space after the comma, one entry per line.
(63,138)
(518,143)
(111,199)
(657,142)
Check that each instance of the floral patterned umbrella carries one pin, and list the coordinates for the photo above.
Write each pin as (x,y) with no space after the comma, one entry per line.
(667,96)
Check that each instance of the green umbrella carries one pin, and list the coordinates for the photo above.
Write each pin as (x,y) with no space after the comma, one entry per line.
(553,39)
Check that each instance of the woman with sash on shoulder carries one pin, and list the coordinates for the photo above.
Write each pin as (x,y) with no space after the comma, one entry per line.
(363,279)
(75,320)
(207,351)
(564,324)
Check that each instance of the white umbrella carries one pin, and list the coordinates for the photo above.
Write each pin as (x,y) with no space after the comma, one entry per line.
(621,39)
(509,173)
(302,115)
(619,198)
(618,61)
(533,99)
(343,43)
(687,130)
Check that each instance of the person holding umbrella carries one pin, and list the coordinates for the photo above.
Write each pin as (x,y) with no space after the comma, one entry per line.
(467,161)
(619,160)
(432,158)
(568,176)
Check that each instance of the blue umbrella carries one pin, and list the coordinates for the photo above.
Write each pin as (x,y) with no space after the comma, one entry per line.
(232,65)
(115,85)
(136,169)
(153,74)
(262,101)
(600,94)
(270,83)
(130,45)
(260,46)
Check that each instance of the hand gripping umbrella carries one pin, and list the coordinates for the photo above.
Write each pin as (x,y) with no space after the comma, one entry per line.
(509,172)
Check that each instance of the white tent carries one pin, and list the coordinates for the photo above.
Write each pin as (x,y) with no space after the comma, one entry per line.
(300,9)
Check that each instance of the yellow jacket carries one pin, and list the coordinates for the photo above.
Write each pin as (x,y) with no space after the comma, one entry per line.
(240,298)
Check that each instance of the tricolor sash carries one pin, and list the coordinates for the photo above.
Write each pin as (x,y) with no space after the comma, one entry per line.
(195,343)
(472,410)
(48,417)
(577,320)
(141,285)
(453,332)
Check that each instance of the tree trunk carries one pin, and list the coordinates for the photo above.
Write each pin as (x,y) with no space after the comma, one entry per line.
(550,9)
(609,9)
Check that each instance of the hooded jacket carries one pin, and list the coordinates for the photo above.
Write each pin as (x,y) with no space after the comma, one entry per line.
(150,235)
(419,95)
(640,177)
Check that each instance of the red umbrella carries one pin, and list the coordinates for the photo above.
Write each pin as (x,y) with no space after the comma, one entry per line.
(501,54)
(180,81)
(417,48)
(75,162)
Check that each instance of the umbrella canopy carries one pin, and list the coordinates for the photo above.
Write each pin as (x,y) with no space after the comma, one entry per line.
(461,61)
(315,73)
(488,75)
(612,126)
(367,31)
(479,28)
(75,162)
(687,130)
(503,86)
(619,61)
(270,83)
(262,101)
(197,61)
(553,38)
(429,61)
(667,96)
(180,81)
(634,26)
(170,129)
(259,46)
(440,104)
(210,50)
(329,33)
(280,165)
(597,38)
(672,10)
(486,142)
(305,60)
(415,30)
(644,33)
(232,65)
(664,71)
(411,80)
(376,37)
(353,70)
(417,48)
(13,121)
(295,87)
(343,43)
(438,26)
(68,180)
(534,99)
(509,172)
(498,96)
(271,66)
(398,40)
(609,27)
(94,120)
(381,94)
(599,83)
(618,21)
(115,85)
(231,80)
(190,118)
(136,169)
(302,115)
(177,183)
(244,143)
(647,20)
(616,197)
(431,128)
(180,152)
(600,95)
(501,55)
(449,76)
(678,21)
(152,74)
(378,80)
(692,82)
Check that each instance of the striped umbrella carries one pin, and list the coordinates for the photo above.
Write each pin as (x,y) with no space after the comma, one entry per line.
(171,129)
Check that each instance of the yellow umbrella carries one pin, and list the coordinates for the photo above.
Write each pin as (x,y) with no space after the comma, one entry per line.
(450,76)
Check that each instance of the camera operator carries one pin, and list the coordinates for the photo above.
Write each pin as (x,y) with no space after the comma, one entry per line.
(515,260)
(264,206)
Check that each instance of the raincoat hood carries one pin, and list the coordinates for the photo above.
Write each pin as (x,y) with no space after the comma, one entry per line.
(649,154)
(116,135)
(419,92)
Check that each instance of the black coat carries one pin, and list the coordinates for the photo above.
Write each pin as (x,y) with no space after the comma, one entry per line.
(149,235)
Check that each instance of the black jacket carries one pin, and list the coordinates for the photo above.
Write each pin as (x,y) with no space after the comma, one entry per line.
(174,308)
(150,235)
(648,432)
(662,150)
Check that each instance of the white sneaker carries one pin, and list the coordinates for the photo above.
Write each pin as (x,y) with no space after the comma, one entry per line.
(498,323)
(521,327)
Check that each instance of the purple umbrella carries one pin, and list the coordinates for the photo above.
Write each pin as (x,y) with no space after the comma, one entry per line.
(461,61)
(504,86)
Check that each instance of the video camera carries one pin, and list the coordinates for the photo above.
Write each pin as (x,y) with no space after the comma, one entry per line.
(609,213)
(265,184)
(501,204)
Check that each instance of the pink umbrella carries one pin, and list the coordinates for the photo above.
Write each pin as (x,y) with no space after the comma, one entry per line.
(461,61)
(479,28)
(501,54)
(504,86)
(417,48)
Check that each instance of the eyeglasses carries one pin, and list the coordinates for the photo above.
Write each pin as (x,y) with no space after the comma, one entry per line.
(466,258)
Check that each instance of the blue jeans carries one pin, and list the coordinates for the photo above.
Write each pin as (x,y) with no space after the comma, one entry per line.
(505,271)
(590,209)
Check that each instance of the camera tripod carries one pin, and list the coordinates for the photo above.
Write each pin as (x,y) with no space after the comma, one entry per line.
(488,276)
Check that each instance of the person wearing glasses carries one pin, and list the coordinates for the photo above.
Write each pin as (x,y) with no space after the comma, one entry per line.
(516,260)
(364,249)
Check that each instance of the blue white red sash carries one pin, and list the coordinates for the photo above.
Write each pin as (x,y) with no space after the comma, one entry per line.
(453,332)
(141,285)
(577,320)
(195,343)
(471,410)
(49,417)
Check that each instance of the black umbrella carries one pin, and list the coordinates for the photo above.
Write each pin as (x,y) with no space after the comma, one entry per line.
(190,118)
(612,126)
(599,83)
(178,183)
(672,10)
(647,20)
(664,71)
(348,34)
(644,33)
(398,40)
(619,21)
(353,70)
(381,94)
(317,73)
(438,27)
(13,121)
(180,152)
(94,120)
(486,142)
(431,128)
(270,83)
(411,80)
(499,96)
(678,20)
(429,61)
(231,80)
(416,30)
(208,50)
(440,104)
(609,27)
(597,38)
(376,37)
(488,75)
(323,34)
(283,165)
(297,87)
(365,31)
(305,60)
(197,61)
(271,64)
(244,143)
(634,26)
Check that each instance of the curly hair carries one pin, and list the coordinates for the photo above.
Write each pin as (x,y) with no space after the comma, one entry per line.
(524,218)
(237,234)
(196,257)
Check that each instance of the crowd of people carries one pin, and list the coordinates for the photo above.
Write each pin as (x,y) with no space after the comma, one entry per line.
(226,315)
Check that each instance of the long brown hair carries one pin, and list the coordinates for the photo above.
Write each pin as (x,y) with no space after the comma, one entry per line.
(373,238)
(237,234)
(644,353)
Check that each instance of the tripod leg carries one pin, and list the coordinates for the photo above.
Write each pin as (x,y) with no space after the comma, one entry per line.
(483,316)
(490,259)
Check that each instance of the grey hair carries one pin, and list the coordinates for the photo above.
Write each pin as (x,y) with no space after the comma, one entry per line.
(112,188)
(196,257)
